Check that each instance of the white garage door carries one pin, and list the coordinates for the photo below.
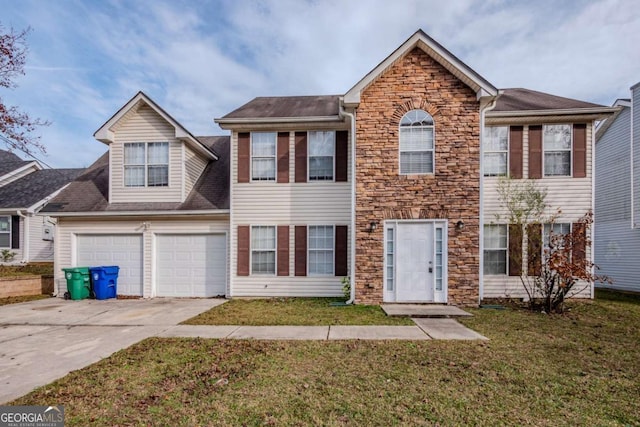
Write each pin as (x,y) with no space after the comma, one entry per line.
(123,250)
(191,265)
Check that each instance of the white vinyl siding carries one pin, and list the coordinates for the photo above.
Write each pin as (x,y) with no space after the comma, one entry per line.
(572,195)
(496,150)
(322,148)
(143,124)
(194,166)
(286,204)
(69,228)
(39,249)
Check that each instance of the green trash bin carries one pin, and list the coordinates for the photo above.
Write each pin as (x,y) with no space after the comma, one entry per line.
(78,283)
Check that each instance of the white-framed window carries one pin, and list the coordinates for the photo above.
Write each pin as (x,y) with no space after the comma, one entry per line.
(263,156)
(390,254)
(495,249)
(416,143)
(321,247)
(556,143)
(439,253)
(263,249)
(5,232)
(496,150)
(146,164)
(322,148)
(556,229)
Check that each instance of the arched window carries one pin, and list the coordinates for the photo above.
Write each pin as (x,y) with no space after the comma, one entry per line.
(416,143)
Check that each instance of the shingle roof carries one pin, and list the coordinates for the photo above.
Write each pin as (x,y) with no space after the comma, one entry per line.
(287,106)
(520,99)
(90,191)
(35,186)
(9,162)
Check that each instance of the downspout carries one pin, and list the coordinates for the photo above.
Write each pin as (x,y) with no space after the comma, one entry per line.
(25,237)
(352,137)
(633,218)
(483,111)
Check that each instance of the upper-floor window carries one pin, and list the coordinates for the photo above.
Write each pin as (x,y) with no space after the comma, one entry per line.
(263,249)
(496,149)
(321,155)
(558,230)
(146,164)
(495,249)
(5,231)
(556,142)
(416,143)
(263,156)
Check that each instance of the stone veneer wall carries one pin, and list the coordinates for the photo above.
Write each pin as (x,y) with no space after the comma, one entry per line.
(453,192)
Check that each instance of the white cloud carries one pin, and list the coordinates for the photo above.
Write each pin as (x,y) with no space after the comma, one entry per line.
(202,60)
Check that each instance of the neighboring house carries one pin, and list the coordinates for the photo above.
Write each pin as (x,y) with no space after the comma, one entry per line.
(617,194)
(25,188)
(391,184)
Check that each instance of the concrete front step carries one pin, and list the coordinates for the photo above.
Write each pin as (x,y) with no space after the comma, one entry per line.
(423,310)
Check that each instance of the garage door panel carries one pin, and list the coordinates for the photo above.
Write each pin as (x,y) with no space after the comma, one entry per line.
(191,265)
(125,251)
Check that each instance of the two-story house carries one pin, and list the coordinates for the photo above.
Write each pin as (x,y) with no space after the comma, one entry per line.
(391,184)
(617,194)
(25,188)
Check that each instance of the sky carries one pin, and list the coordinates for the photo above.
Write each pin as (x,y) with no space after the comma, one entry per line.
(200,60)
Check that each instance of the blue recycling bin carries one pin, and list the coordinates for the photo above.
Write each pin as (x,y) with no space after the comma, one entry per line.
(105,281)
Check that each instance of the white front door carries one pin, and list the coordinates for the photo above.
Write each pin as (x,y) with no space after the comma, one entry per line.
(415,261)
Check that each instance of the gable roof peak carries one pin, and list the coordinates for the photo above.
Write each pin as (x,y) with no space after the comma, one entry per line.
(435,50)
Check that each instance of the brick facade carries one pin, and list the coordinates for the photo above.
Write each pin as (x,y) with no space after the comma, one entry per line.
(453,192)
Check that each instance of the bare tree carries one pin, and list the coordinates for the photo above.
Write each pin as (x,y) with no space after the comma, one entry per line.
(16,126)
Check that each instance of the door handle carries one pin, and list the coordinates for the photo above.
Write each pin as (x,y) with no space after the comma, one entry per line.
(430,267)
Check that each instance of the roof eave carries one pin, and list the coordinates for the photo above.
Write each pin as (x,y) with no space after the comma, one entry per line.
(20,169)
(137,213)
(602,111)
(227,123)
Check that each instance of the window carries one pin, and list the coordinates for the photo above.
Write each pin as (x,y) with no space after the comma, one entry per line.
(556,229)
(496,149)
(5,231)
(556,141)
(146,164)
(263,156)
(321,152)
(495,249)
(321,250)
(263,250)
(439,261)
(390,254)
(416,143)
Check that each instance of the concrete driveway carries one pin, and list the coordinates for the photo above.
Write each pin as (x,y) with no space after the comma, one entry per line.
(41,341)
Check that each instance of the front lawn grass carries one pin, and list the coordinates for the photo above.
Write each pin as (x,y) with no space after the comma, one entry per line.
(581,368)
(294,311)
(24,298)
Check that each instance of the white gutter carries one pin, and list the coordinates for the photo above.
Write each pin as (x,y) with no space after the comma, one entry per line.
(21,169)
(556,112)
(25,236)
(483,111)
(592,233)
(632,186)
(271,120)
(352,267)
(136,213)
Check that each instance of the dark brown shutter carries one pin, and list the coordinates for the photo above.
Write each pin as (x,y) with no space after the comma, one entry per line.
(579,231)
(244,247)
(515,152)
(342,155)
(244,157)
(534,249)
(301,250)
(515,249)
(301,156)
(535,151)
(579,150)
(340,253)
(15,232)
(283,157)
(283,250)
